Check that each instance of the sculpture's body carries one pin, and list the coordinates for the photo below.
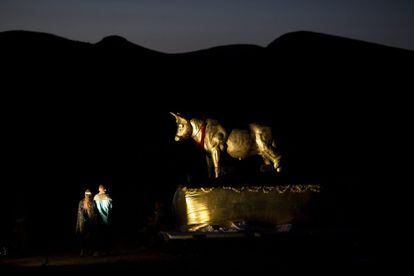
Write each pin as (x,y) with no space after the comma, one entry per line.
(240,144)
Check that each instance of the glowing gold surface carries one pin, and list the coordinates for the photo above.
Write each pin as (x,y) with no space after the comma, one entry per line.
(223,206)
(197,210)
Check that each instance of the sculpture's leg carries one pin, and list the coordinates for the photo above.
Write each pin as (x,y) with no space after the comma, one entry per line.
(267,165)
(268,153)
(210,166)
(266,161)
(276,161)
(215,154)
(265,146)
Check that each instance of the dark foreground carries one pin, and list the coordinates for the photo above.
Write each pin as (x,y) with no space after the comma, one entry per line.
(282,252)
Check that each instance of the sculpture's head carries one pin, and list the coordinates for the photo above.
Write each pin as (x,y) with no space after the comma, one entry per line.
(184,128)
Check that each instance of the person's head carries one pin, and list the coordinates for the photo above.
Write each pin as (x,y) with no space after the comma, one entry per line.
(87,202)
(88,193)
(102,189)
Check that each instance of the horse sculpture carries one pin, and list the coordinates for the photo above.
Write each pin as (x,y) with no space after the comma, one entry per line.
(240,143)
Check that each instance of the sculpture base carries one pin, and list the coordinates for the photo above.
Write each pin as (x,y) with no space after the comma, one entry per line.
(230,209)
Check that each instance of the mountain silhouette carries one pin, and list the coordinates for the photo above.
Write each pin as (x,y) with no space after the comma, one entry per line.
(287,50)
(313,40)
(28,39)
(309,47)
(115,41)
(295,61)
(118,43)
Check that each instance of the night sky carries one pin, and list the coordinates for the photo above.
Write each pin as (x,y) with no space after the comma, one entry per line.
(180,26)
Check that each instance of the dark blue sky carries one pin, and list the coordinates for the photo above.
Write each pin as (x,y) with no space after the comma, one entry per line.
(179,25)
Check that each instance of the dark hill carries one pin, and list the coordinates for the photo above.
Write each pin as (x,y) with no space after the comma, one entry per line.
(301,65)
(297,43)
(320,55)
(123,46)
(37,40)
(116,41)
(299,53)
(317,41)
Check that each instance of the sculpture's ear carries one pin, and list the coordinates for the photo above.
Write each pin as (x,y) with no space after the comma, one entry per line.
(177,117)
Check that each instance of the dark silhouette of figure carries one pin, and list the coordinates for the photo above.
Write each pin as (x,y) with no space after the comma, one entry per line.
(158,219)
(157,222)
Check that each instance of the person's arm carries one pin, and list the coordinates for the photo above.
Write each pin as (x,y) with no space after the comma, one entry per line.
(79,220)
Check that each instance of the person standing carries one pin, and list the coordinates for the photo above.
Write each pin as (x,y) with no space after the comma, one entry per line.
(104,206)
(86,223)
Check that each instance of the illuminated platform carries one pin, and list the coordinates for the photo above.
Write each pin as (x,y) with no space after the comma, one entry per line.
(171,236)
(198,235)
(229,209)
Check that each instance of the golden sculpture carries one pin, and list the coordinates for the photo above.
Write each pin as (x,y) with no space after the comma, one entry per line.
(240,144)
